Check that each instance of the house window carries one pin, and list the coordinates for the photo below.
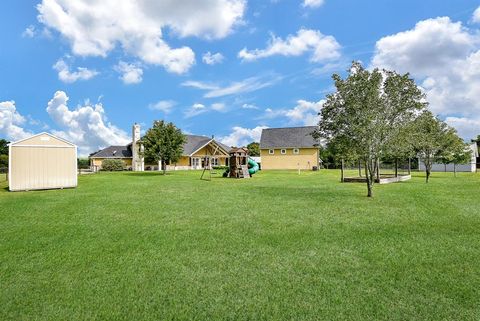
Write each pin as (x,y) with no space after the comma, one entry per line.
(214,161)
(283,151)
(271,151)
(296,151)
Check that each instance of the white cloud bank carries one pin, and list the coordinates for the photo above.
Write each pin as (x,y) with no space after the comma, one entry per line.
(242,136)
(323,48)
(165,106)
(11,122)
(86,126)
(95,28)
(445,57)
(67,76)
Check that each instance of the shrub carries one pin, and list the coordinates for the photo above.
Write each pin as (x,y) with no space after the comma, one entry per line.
(83,163)
(112,165)
(3,161)
(220,167)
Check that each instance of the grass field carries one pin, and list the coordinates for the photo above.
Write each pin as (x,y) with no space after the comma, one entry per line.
(141,246)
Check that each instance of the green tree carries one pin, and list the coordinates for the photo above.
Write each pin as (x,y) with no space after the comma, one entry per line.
(253,149)
(434,141)
(366,113)
(163,143)
(3,147)
(3,161)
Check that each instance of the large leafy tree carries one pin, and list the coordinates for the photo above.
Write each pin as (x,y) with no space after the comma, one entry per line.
(163,143)
(253,149)
(3,147)
(434,141)
(367,112)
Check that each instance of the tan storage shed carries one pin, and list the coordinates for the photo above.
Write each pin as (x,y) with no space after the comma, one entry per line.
(42,161)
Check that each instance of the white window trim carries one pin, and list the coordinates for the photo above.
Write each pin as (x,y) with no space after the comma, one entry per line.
(296,151)
(283,151)
(271,151)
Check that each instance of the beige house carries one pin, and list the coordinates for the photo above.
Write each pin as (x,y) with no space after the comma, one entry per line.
(194,152)
(289,148)
(42,161)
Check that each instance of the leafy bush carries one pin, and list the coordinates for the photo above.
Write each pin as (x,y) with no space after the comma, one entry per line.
(83,163)
(3,161)
(112,165)
(220,167)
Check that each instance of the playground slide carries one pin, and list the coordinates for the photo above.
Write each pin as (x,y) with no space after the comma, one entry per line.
(252,166)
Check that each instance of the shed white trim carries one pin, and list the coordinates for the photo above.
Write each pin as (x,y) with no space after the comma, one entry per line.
(43,133)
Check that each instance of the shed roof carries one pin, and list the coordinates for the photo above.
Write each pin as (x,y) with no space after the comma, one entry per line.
(299,137)
(34,139)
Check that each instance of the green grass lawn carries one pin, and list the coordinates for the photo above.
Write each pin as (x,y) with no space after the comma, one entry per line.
(142,246)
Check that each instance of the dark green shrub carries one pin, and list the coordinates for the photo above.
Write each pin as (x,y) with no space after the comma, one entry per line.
(3,161)
(83,163)
(220,167)
(112,165)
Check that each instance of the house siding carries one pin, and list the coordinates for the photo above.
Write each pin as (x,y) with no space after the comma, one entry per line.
(305,159)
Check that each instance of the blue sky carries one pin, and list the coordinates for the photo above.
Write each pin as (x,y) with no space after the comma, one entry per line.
(227,68)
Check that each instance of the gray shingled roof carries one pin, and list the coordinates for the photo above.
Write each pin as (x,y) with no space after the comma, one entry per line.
(194,142)
(114,152)
(299,137)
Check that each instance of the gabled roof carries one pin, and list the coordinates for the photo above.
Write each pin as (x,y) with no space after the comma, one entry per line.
(40,134)
(288,137)
(114,152)
(195,143)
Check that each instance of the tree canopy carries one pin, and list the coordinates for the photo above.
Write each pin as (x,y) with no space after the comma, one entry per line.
(4,147)
(163,143)
(253,149)
(367,113)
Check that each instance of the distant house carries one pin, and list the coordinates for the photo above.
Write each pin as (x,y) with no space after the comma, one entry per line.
(289,148)
(193,157)
(468,167)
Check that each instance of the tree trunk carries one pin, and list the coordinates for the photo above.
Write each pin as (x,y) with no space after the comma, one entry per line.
(342,178)
(370,175)
(427,171)
(445,167)
(455,169)
(409,166)
(377,164)
(396,167)
(360,168)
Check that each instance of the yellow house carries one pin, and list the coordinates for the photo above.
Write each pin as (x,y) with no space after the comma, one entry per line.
(194,155)
(289,148)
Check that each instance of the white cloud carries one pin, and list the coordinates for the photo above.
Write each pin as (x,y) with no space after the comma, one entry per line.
(11,122)
(444,56)
(466,127)
(247,85)
(249,106)
(313,3)
(163,105)
(95,28)
(130,73)
(323,48)
(29,32)
(86,126)
(476,16)
(212,59)
(242,136)
(218,107)
(303,113)
(195,110)
(65,75)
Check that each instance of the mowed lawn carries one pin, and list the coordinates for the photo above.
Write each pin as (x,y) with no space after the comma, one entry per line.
(280,246)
